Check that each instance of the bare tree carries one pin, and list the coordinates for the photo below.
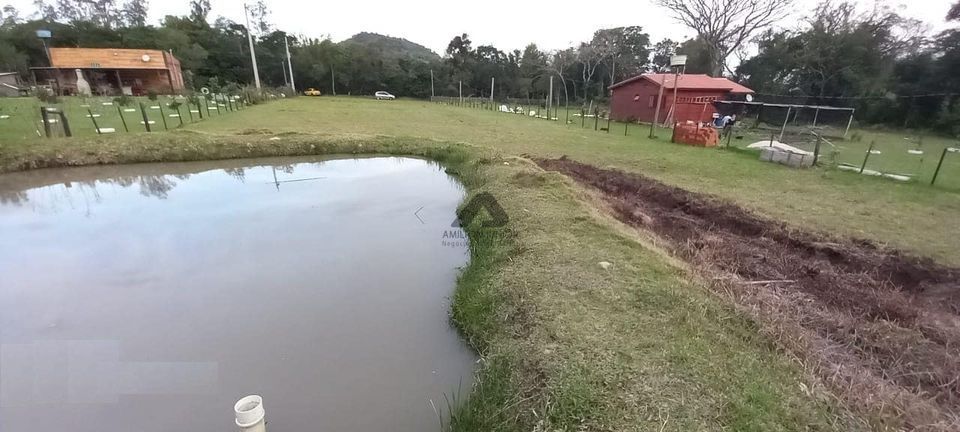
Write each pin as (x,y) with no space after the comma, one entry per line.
(559,64)
(589,58)
(725,25)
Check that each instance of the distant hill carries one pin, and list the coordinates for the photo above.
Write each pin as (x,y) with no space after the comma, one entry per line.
(389,47)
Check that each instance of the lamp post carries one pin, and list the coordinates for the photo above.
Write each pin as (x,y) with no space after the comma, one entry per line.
(677,62)
(43,35)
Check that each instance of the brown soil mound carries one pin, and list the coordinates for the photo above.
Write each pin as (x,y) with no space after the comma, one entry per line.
(880,327)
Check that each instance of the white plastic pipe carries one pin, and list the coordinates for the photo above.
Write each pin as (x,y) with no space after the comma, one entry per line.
(250,414)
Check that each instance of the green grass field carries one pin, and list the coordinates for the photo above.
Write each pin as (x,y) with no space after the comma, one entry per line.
(20,117)
(894,149)
(567,344)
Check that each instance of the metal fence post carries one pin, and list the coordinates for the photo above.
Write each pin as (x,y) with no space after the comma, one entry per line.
(45,116)
(95,126)
(122,119)
(146,120)
(816,151)
(939,164)
(65,123)
(867,156)
(163,116)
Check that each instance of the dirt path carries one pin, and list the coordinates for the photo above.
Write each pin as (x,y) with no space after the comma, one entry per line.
(879,327)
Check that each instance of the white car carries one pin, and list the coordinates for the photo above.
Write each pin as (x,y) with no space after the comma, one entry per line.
(380,95)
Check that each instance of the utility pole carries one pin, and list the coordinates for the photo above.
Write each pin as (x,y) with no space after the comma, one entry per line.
(286,45)
(253,55)
(656,116)
(333,82)
(461,93)
(283,68)
(432,94)
(491,88)
(550,98)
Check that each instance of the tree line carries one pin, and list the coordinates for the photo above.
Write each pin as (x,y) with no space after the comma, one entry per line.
(877,61)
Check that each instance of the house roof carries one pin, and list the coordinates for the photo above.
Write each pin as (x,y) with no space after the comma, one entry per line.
(106,58)
(688,82)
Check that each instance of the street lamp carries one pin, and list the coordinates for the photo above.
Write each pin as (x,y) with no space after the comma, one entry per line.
(43,35)
(679,65)
(677,62)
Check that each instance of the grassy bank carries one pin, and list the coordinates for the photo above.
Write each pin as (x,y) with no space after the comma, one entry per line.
(566,344)
(912,216)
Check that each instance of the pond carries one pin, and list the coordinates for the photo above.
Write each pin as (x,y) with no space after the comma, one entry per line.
(152,297)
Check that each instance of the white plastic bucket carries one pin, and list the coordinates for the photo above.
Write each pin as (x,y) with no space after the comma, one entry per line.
(250,414)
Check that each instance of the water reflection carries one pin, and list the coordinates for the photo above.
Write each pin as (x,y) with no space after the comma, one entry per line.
(308,281)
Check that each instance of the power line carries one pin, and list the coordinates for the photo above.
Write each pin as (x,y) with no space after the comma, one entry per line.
(860,97)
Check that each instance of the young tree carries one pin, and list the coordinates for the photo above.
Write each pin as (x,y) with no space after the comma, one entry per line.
(725,25)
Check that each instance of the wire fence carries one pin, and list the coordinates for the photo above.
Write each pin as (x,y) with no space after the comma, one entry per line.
(818,137)
(29,118)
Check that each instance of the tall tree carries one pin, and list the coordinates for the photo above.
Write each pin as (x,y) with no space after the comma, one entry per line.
(260,18)
(45,11)
(135,13)
(698,56)
(460,59)
(662,52)
(623,50)
(725,25)
(199,9)
(533,64)
(103,13)
(9,16)
(589,59)
(560,63)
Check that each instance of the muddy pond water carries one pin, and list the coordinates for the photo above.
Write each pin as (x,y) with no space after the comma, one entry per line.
(151,297)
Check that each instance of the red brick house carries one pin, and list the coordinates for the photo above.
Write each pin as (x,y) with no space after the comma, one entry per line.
(636,98)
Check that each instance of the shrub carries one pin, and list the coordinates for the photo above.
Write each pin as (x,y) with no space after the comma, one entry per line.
(123,100)
(45,95)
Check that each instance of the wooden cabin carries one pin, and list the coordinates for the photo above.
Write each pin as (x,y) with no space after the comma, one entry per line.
(112,71)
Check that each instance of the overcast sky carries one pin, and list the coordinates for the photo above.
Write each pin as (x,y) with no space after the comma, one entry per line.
(506,24)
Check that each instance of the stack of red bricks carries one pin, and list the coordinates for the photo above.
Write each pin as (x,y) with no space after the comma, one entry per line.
(696,135)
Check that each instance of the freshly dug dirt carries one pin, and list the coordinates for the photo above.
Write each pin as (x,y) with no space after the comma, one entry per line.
(879,327)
